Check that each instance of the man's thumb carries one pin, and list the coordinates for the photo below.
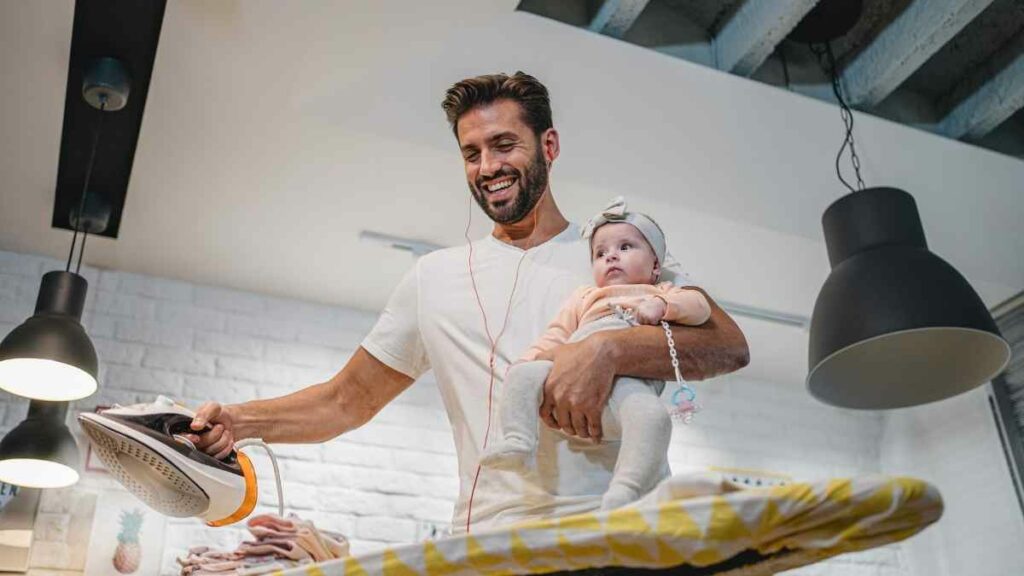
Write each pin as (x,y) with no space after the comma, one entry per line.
(206,412)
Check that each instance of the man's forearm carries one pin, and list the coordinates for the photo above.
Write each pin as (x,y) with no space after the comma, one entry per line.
(714,348)
(322,411)
(309,415)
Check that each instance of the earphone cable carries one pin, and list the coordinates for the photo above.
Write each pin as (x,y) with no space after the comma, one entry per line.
(493,341)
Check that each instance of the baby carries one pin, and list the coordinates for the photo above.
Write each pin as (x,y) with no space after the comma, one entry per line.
(626,252)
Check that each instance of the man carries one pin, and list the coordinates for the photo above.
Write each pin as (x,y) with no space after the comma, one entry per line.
(468,312)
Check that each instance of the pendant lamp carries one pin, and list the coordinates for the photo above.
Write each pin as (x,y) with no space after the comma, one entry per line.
(49,358)
(894,325)
(40,452)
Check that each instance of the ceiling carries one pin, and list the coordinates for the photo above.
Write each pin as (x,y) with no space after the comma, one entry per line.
(275,132)
(952,67)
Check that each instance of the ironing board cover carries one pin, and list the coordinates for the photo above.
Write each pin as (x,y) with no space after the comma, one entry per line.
(700,519)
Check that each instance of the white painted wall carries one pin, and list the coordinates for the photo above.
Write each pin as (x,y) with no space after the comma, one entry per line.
(320,119)
(395,479)
(955,445)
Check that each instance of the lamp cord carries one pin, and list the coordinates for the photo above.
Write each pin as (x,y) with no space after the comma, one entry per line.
(85,235)
(85,191)
(827,60)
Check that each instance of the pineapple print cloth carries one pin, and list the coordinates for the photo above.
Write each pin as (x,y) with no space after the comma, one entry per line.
(128,555)
(703,520)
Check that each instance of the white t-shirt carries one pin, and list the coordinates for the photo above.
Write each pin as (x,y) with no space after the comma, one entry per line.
(433,321)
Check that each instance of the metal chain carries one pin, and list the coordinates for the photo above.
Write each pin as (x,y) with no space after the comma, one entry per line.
(685,409)
(672,352)
(827,61)
(629,317)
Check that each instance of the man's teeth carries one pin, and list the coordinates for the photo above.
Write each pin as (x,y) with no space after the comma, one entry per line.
(499,185)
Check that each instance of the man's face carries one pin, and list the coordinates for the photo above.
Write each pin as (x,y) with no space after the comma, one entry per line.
(506,163)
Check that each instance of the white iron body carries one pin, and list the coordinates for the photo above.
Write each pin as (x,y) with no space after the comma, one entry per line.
(144,447)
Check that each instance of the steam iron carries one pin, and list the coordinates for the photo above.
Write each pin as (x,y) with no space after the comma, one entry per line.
(147,451)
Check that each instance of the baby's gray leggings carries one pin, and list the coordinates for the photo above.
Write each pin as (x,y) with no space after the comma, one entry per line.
(634,405)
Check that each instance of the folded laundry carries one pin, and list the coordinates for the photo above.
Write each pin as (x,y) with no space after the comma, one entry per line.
(272,521)
(283,548)
(280,543)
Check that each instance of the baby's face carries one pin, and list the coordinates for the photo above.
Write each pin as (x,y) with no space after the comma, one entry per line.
(619,254)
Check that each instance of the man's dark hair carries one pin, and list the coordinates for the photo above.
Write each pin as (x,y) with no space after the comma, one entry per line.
(470,93)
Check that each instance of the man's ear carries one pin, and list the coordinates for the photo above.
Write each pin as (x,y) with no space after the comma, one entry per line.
(549,142)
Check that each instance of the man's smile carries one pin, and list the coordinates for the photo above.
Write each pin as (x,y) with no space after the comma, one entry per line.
(500,184)
(500,189)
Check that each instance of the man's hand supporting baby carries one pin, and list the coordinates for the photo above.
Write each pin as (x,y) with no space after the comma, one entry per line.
(581,379)
(578,387)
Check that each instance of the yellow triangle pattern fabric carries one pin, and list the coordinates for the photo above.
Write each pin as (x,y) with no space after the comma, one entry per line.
(674,521)
(482,560)
(628,553)
(541,562)
(792,525)
(589,551)
(393,566)
(669,556)
(725,523)
(351,567)
(626,520)
(434,563)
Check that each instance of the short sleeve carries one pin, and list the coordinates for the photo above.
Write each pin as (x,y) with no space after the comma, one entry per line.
(395,339)
(672,271)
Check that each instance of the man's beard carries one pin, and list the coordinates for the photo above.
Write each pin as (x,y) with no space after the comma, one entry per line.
(532,184)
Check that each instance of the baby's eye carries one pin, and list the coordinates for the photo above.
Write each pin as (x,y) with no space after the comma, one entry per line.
(626,246)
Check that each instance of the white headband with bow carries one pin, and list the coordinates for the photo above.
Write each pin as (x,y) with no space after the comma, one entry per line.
(616,212)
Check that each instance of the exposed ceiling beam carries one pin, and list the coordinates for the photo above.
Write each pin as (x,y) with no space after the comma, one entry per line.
(699,52)
(904,45)
(615,17)
(997,97)
(753,32)
(684,38)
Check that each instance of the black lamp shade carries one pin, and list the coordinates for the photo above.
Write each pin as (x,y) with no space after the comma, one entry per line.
(894,325)
(40,452)
(49,356)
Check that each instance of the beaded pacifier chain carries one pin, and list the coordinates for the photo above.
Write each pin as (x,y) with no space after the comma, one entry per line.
(684,404)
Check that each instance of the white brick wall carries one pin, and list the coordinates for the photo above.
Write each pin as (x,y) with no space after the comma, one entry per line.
(394,480)
(955,445)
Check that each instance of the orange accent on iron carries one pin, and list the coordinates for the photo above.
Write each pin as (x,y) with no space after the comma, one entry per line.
(251,494)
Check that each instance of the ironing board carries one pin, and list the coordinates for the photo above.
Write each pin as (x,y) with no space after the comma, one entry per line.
(692,524)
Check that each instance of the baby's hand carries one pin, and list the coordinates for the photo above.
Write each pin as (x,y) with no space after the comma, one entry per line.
(650,311)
